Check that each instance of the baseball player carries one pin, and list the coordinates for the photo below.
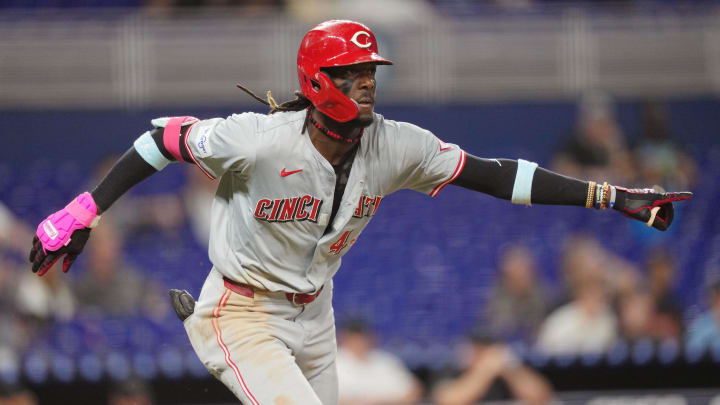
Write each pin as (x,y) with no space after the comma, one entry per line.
(297,187)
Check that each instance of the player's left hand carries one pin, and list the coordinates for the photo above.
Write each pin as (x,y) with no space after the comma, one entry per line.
(42,259)
(63,233)
(653,207)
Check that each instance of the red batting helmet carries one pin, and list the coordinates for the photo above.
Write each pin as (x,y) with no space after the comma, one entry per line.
(334,43)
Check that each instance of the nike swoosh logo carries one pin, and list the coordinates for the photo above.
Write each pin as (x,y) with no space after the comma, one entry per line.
(283,173)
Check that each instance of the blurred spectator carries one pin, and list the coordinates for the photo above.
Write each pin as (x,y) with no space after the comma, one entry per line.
(15,235)
(584,258)
(47,298)
(635,312)
(16,395)
(659,159)
(360,365)
(704,331)
(580,260)
(111,286)
(642,316)
(493,373)
(667,322)
(40,301)
(596,150)
(519,303)
(130,392)
(13,334)
(585,325)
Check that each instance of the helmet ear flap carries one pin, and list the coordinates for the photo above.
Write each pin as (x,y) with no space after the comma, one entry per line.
(332,102)
(312,84)
(322,81)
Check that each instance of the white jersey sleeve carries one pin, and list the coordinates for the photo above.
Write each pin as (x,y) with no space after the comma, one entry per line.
(218,145)
(419,161)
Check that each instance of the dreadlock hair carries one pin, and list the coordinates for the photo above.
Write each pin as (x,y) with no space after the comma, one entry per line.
(298,104)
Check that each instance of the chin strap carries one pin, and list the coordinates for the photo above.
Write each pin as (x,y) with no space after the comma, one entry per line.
(332,134)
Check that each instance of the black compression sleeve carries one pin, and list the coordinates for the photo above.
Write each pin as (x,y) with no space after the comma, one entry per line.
(554,188)
(128,171)
(490,176)
(497,178)
(157,136)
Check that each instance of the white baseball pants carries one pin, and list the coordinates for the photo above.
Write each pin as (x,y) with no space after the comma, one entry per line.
(267,350)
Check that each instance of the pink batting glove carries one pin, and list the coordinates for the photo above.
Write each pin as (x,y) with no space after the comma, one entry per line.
(64,232)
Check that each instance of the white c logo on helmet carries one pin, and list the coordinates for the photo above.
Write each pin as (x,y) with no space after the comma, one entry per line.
(355,41)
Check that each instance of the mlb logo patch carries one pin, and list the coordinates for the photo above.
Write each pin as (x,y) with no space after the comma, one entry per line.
(203,142)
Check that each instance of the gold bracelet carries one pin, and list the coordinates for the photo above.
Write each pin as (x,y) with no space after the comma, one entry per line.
(606,196)
(590,195)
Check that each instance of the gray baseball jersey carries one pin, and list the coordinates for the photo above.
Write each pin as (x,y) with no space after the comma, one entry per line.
(276,191)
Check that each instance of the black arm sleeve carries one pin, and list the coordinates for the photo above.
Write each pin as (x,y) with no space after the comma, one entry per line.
(128,171)
(157,136)
(497,178)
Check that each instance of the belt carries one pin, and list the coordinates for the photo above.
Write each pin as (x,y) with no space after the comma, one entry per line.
(248,291)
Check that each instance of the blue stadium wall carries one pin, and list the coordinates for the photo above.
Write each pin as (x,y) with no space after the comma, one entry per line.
(49,153)
(421,271)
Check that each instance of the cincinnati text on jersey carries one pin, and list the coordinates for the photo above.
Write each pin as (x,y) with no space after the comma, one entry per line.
(288,209)
(367,206)
(307,207)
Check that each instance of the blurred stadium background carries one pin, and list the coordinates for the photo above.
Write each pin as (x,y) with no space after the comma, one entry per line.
(625,91)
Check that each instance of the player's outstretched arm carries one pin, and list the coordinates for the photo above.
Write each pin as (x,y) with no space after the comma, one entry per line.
(65,232)
(524,182)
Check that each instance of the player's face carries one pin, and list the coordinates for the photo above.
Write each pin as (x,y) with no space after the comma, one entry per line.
(358,83)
